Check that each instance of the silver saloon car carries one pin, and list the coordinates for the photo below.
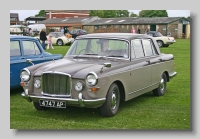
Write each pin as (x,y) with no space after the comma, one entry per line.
(100,70)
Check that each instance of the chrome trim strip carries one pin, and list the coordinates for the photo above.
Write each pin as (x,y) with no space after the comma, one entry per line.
(69,101)
(55,95)
(56,72)
(172,75)
(92,72)
(142,88)
(25,69)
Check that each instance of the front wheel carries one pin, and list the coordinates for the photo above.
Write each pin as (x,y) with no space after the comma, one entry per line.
(160,91)
(111,105)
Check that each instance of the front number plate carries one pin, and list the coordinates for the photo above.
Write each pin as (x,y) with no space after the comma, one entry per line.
(52,103)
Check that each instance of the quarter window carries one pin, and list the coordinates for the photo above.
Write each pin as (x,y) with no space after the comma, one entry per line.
(148,47)
(137,48)
(15,48)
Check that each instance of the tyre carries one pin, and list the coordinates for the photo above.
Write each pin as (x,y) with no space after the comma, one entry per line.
(160,91)
(111,105)
(59,42)
(160,43)
(38,107)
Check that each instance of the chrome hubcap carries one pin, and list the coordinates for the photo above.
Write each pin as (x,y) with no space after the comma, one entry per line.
(113,100)
(159,44)
(162,84)
(59,43)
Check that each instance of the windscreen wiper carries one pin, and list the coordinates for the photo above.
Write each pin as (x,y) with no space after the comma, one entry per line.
(90,54)
(114,56)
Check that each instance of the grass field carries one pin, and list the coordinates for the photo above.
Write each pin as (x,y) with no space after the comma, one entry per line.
(169,112)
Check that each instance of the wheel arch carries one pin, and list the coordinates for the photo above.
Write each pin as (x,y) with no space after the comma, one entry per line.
(167,75)
(59,40)
(121,89)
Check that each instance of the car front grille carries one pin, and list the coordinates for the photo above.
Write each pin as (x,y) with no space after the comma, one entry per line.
(56,84)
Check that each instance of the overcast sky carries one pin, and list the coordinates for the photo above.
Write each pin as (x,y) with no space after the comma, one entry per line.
(171,13)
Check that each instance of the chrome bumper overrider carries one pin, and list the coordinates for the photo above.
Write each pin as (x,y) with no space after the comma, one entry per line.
(172,75)
(70,102)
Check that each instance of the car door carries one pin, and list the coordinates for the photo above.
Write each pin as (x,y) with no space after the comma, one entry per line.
(31,50)
(154,59)
(140,68)
(54,38)
(17,62)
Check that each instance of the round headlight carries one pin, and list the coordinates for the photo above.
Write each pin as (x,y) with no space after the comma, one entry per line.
(79,86)
(91,79)
(37,83)
(25,75)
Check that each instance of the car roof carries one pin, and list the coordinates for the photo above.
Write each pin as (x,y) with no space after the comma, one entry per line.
(152,32)
(21,37)
(127,36)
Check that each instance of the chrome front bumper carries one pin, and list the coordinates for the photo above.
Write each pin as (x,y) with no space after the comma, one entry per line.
(80,102)
(172,75)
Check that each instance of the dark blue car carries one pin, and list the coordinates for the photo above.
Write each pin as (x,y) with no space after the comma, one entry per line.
(21,49)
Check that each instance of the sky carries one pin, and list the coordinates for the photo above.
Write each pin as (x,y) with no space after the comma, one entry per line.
(171,13)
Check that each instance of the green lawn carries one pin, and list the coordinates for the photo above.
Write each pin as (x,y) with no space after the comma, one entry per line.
(171,111)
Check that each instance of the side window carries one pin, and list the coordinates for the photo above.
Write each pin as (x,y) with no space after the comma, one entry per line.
(148,47)
(30,48)
(136,46)
(53,35)
(15,48)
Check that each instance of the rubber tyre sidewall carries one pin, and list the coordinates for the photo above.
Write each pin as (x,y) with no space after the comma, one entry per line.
(106,109)
(158,91)
(59,41)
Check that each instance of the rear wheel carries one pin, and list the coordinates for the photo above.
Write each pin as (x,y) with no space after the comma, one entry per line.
(160,43)
(160,91)
(111,105)
(60,42)
(38,107)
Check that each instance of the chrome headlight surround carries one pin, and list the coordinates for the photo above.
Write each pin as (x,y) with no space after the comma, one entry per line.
(91,79)
(25,74)
(37,83)
(79,86)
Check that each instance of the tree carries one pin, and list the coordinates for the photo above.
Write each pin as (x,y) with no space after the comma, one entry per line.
(41,14)
(109,13)
(133,15)
(122,13)
(153,13)
(99,13)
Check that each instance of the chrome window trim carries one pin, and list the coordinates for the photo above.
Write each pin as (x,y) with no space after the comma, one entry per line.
(142,88)
(121,39)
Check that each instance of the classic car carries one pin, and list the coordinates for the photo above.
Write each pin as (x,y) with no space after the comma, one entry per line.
(100,70)
(77,32)
(161,40)
(23,48)
(58,38)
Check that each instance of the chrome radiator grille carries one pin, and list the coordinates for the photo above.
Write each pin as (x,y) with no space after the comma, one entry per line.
(57,84)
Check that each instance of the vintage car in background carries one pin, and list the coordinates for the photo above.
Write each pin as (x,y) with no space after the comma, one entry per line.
(100,70)
(77,32)
(21,49)
(58,38)
(161,40)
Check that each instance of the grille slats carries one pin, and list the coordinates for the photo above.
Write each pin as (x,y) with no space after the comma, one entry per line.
(56,84)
